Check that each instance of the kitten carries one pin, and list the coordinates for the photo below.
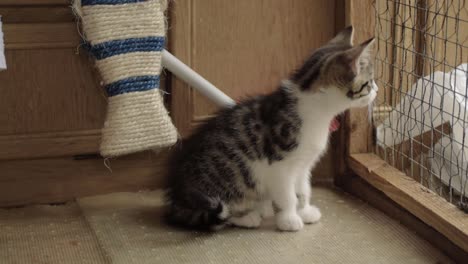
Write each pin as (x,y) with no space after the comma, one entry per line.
(260,152)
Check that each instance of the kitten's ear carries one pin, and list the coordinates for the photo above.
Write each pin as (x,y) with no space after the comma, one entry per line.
(361,54)
(345,37)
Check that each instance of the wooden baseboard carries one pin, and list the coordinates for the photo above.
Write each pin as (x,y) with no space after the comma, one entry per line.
(63,179)
(418,200)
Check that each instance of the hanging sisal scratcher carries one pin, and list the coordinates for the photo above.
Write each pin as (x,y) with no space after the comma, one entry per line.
(126,37)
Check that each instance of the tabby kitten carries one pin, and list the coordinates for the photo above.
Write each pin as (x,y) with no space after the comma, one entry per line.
(260,152)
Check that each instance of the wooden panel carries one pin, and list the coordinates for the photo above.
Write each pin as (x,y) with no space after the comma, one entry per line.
(244,48)
(385,34)
(51,97)
(338,149)
(325,170)
(180,45)
(49,90)
(44,36)
(44,145)
(359,135)
(18,14)
(446,35)
(405,45)
(420,201)
(58,180)
(34,2)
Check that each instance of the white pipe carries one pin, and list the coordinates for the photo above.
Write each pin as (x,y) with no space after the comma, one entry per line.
(195,80)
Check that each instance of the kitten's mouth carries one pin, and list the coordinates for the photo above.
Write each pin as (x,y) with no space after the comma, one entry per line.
(352,93)
(363,95)
(357,95)
(334,125)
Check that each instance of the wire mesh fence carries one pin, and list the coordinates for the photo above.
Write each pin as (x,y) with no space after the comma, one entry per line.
(421,114)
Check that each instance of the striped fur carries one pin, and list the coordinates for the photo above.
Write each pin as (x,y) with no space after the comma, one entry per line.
(263,149)
(264,127)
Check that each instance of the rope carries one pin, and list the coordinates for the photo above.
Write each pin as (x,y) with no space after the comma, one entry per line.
(126,38)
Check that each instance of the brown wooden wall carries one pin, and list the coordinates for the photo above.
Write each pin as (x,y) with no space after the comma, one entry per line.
(52,107)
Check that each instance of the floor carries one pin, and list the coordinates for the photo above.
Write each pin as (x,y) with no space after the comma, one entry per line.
(126,228)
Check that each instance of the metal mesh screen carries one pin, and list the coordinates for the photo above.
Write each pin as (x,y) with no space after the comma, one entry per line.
(421,114)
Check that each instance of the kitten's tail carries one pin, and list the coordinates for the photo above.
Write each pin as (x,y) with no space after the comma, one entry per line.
(200,212)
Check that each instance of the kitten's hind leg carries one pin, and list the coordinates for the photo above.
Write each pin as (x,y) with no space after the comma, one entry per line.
(252,219)
(309,213)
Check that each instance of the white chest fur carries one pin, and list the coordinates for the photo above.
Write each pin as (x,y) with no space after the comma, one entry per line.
(312,143)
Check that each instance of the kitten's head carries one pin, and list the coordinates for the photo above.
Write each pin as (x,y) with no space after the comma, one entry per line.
(340,70)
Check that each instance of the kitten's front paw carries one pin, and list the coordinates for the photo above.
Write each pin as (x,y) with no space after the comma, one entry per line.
(288,222)
(310,214)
